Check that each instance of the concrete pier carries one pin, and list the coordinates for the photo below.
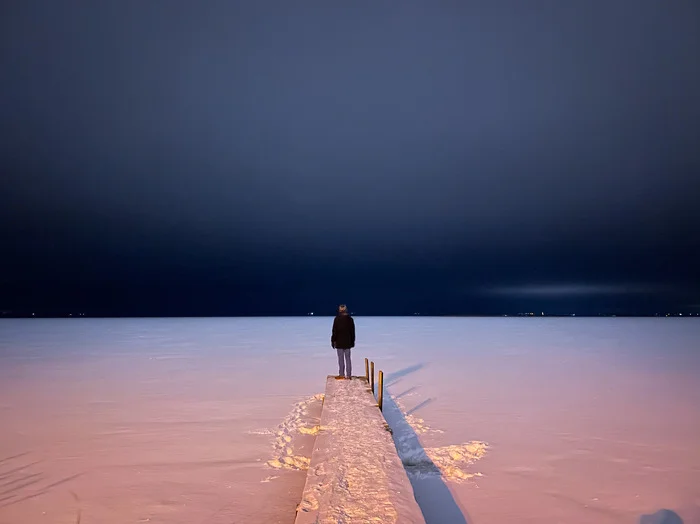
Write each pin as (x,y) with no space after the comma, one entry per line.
(355,474)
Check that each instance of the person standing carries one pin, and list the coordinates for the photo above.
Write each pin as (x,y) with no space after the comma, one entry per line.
(343,340)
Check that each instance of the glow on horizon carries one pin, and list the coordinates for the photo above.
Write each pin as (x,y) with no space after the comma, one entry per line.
(570,290)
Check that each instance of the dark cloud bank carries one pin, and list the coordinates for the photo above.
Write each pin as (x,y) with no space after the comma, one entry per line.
(270,158)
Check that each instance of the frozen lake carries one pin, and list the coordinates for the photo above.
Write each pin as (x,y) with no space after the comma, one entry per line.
(206,421)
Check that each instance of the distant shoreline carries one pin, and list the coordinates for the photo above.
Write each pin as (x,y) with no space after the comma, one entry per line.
(328,315)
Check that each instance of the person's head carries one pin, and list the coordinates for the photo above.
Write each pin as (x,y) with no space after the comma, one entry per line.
(343,309)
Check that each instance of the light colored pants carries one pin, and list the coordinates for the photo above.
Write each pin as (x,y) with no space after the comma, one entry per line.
(344,362)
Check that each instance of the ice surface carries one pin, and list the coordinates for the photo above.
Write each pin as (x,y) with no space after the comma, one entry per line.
(181,420)
(292,435)
(448,462)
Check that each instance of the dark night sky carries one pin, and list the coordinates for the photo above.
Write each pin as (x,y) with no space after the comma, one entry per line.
(223,157)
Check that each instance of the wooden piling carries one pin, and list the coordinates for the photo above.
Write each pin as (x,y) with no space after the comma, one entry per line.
(367,370)
(371,376)
(380,401)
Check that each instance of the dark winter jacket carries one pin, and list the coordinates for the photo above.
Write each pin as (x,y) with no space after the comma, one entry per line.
(343,336)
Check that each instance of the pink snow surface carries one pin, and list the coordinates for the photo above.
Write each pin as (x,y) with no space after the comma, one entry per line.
(355,474)
(143,430)
(211,421)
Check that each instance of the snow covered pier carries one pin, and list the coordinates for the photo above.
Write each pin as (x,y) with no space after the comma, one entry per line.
(355,474)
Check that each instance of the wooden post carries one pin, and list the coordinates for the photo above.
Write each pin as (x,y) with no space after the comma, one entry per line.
(371,376)
(367,370)
(381,390)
